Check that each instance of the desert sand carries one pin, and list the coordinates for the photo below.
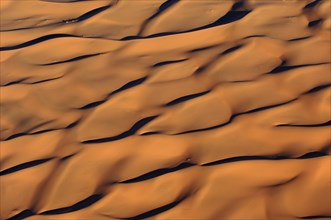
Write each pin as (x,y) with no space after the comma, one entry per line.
(165,109)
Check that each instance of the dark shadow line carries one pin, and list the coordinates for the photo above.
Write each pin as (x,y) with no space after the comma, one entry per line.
(242,158)
(156,211)
(166,5)
(43,81)
(184,165)
(34,133)
(231,16)
(242,81)
(201,49)
(283,67)
(318,88)
(312,4)
(73,124)
(201,69)
(15,82)
(232,49)
(315,23)
(22,215)
(137,37)
(36,41)
(168,62)
(313,154)
(92,105)
(316,217)
(163,7)
(130,85)
(78,206)
(234,116)
(150,133)
(24,166)
(63,1)
(300,38)
(157,173)
(122,88)
(283,182)
(309,155)
(306,126)
(88,15)
(185,98)
(73,59)
(128,133)
(67,157)
(256,35)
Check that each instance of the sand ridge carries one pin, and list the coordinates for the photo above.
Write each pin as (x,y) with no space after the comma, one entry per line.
(178,109)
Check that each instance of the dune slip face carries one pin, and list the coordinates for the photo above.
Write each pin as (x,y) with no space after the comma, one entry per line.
(165,109)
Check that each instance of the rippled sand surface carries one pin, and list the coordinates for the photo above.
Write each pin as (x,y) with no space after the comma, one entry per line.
(155,109)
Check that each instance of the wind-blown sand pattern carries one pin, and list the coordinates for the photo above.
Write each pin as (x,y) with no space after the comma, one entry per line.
(155,109)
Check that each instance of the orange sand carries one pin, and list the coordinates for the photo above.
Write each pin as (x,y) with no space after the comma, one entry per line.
(155,109)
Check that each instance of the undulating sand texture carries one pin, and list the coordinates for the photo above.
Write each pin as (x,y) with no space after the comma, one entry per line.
(165,109)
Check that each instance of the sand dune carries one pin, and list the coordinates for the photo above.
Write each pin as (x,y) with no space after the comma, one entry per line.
(165,109)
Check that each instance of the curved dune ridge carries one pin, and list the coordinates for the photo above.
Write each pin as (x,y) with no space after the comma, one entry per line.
(165,109)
